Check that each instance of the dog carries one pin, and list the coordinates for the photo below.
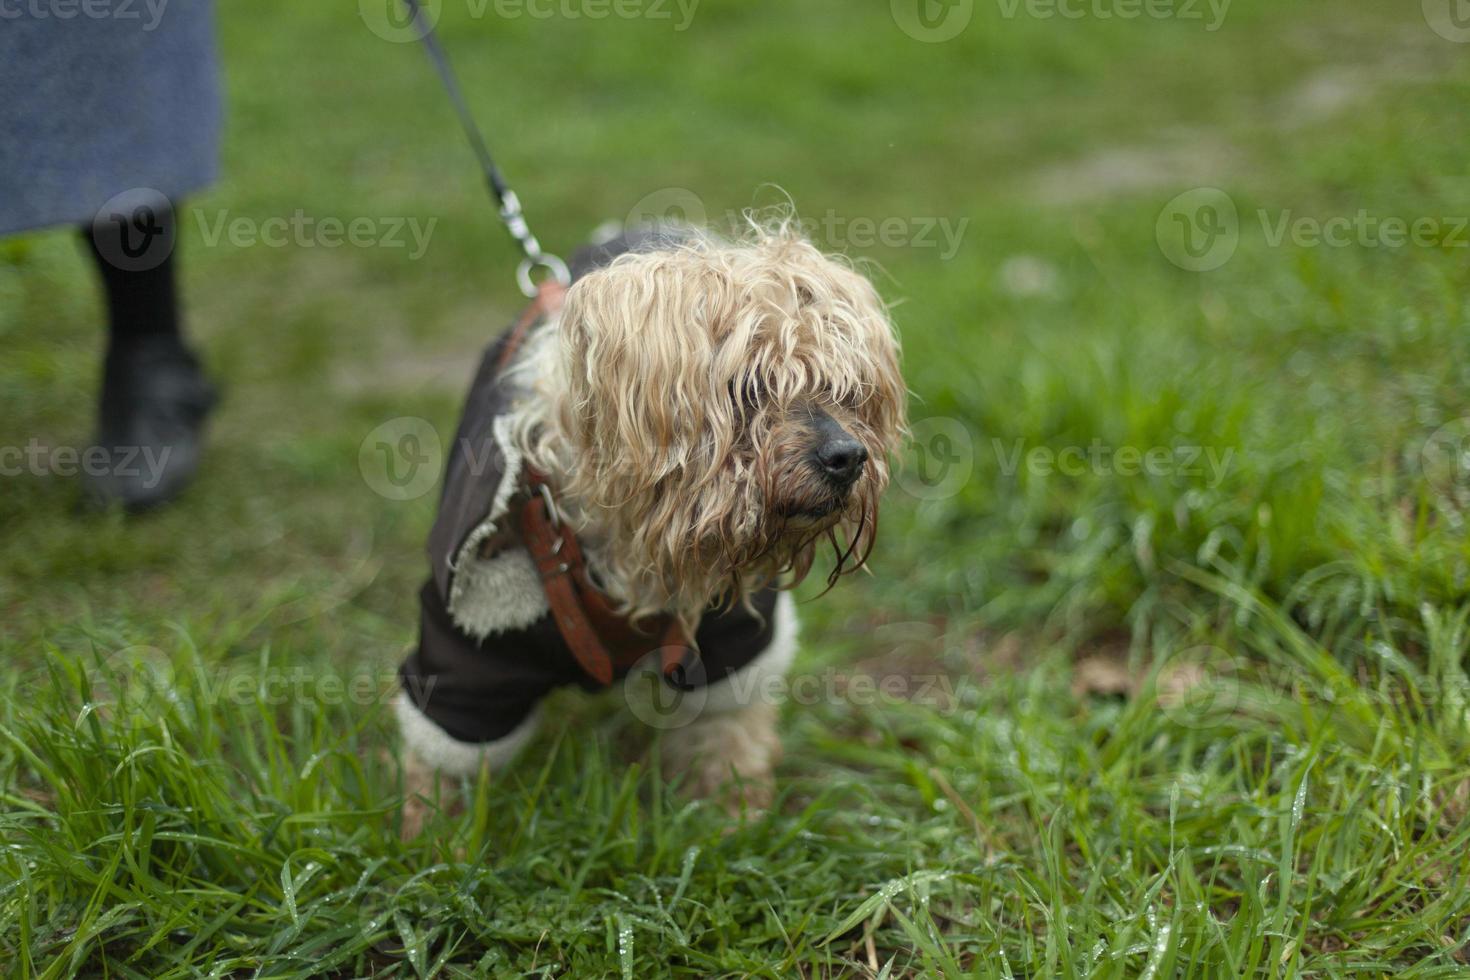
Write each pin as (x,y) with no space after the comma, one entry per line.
(643,470)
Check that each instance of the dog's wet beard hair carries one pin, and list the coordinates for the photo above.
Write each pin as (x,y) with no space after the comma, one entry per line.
(803,509)
(670,414)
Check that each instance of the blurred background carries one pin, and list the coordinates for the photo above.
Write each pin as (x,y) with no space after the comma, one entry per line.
(1008,177)
(1170,359)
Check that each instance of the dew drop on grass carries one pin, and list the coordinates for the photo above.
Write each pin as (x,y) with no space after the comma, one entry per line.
(625,947)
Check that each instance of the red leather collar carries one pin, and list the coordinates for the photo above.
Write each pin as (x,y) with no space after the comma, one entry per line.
(601,639)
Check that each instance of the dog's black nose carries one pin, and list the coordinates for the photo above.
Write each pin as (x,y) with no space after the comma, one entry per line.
(842,458)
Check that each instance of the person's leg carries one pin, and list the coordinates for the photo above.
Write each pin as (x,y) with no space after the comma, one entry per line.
(154,395)
(142,300)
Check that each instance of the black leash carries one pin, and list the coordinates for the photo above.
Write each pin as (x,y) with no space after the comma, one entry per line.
(506,201)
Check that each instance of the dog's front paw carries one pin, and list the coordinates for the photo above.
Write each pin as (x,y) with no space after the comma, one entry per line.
(729,758)
(425,792)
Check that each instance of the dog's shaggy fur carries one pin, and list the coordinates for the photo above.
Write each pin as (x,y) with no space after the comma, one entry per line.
(678,405)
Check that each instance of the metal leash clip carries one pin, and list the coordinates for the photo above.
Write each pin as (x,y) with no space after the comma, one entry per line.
(515,222)
(547,261)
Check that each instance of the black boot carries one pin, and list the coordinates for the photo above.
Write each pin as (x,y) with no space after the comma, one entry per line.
(154,403)
(154,396)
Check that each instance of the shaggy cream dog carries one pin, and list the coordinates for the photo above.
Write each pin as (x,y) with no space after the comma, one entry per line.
(639,471)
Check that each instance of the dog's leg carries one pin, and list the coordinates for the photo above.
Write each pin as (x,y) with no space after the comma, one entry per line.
(434,761)
(422,786)
(729,751)
(729,756)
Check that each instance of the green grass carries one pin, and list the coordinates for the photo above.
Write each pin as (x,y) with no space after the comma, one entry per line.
(1154,725)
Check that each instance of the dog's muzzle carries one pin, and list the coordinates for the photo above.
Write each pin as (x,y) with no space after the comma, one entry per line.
(838,456)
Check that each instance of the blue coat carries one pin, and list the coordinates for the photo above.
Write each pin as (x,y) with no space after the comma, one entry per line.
(98,97)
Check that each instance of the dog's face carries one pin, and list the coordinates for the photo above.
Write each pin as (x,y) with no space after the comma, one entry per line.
(726,409)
